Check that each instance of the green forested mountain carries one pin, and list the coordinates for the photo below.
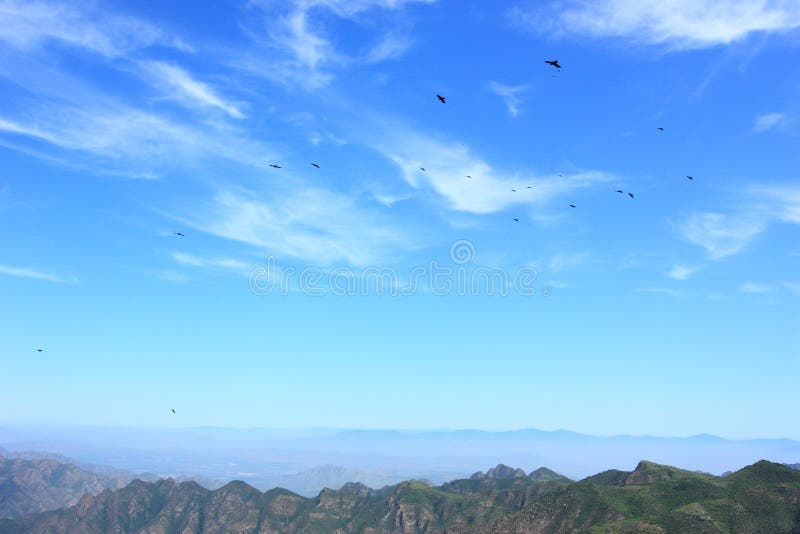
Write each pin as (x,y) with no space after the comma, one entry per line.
(764,497)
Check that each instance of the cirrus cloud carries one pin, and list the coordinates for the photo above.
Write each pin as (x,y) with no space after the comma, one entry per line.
(677,24)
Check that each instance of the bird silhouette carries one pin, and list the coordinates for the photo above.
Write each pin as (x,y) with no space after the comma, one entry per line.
(529,187)
(689,177)
(620,191)
(553,63)
(514,190)
(630,195)
(572,205)
(178,234)
(468,176)
(660,129)
(173,410)
(422,169)
(315,165)
(516,220)
(275,166)
(39,350)
(442,99)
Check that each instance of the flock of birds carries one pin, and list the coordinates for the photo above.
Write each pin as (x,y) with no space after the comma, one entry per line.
(554,63)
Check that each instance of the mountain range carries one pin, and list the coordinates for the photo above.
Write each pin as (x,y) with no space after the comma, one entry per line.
(297,458)
(37,485)
(763,497)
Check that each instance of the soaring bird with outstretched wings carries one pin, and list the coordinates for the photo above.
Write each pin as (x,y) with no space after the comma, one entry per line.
(554,63)
(442,99)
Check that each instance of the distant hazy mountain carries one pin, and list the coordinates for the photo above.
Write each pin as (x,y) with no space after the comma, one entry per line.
(763,497)
(29,486)
(262,456)
(98,469)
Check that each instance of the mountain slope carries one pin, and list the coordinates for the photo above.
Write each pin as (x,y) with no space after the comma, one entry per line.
(764,497)
(30,486)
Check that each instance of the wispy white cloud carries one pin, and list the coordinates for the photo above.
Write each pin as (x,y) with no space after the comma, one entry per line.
(447,164)
(209,263)
(34,274)
(31,24)
(390,200)
(122,133)
(681,272)
(722,235)
(309,224)
(389,47)
(306,55)
(677,24)
(753,288)
(784,201)
(768,121)
(565,262)
(179,84)
(509,94)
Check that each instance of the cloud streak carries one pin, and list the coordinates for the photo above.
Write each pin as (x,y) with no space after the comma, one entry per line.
(509,94)
(681,272)
(310,224)
(722,235)
(487,191)
(676,24)
(304,54)
(34,274)
(768,121)
(180,85)
(29,25)
(213,263)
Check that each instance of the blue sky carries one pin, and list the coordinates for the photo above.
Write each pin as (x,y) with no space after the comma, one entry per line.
(671,313)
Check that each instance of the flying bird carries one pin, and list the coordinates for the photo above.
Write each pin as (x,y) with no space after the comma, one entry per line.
(620,191)
(572,205)
(660,129)
(630,195)
(39,350)
(468,176)
(173,410)
(516,220)
(422,169)
(315,165)
(178,234)
(553,63)
(514,190)
(275,166)
(442,99)
(529,187)
(689,177)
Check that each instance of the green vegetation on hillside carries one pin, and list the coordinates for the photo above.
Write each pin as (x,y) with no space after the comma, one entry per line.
(763,497)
